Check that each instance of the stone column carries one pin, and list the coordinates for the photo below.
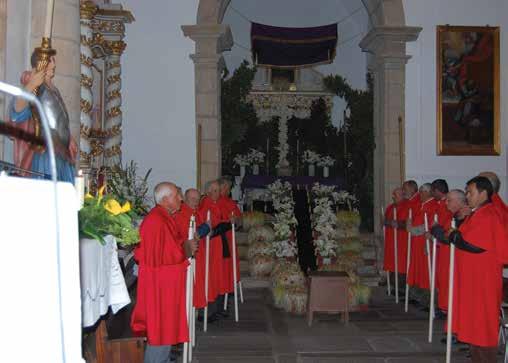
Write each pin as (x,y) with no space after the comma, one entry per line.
(211,41)
(87,12)
(3,39)
(113,124)
(388,45)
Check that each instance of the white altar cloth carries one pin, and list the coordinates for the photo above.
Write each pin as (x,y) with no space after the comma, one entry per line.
(102,280)
(36,327)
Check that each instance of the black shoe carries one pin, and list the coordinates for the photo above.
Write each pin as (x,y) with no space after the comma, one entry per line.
(223,314)
(211,319)
(454,341)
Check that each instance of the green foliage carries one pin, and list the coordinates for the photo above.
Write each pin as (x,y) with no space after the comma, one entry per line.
(237,114)
(126,186)
(360,143)
(103,215)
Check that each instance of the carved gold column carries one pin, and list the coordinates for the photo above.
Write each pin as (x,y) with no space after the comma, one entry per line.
(87,12)
(113,124)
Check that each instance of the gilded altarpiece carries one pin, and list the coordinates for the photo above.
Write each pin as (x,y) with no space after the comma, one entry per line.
(102,46)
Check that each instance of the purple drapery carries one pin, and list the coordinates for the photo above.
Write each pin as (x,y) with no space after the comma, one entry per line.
(293,47)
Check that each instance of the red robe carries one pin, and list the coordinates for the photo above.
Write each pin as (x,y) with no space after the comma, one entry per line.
(228,206)
(215,274)
(419,266)
(160,312)
(183,218)
(444,218)
(478,289)
(389,257)
(402,215)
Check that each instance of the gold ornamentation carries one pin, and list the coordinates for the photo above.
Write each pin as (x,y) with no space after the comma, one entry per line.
(84,157)
(96,148)
(117,47)
(112,65)
(114,79)
(87,61)
(84,131)
(113,112)
(86,81)
(113,151)
(108,26)
(113,95)
(86,106)
(87,10)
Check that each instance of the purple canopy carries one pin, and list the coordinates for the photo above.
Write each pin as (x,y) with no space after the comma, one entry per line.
(293,47)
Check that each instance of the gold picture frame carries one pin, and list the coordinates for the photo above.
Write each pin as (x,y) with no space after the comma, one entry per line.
(468,117)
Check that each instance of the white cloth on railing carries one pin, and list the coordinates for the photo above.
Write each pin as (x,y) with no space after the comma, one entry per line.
(102,280)
(32,320)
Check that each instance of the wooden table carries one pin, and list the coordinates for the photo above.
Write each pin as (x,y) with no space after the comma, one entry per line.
(328,292)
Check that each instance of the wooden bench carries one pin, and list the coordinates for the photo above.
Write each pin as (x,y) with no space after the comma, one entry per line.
(328,292)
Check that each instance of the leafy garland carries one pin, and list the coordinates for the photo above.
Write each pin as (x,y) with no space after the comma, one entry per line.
(285,220)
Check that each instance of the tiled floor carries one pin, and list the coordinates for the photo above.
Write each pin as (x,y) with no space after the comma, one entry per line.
(385,334)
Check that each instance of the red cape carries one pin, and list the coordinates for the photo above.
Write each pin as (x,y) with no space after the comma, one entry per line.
(228,206)
(419,266)
(215,274)
(160,312)
(444,218)
(402,210)
(478,289)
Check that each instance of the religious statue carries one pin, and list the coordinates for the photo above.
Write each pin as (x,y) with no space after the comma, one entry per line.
(40,82)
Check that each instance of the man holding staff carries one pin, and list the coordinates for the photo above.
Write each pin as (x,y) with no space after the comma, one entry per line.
(390,224)
(160,310)
(481,245)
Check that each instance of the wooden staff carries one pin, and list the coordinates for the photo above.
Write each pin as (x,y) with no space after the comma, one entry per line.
(427,248)
(408,262)
(388,287)
(432,285)
(192,308)
(450,301)
(234,267)
(188,296)
(396,253)
(207,265)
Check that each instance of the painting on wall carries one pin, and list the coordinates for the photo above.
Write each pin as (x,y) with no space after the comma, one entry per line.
(468,90)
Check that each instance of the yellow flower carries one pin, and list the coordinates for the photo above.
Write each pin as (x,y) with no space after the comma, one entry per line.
(126,207)
(113,207)
(88,196)
(101,194)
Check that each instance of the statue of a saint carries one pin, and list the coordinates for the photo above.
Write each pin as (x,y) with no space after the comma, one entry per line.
(32,157)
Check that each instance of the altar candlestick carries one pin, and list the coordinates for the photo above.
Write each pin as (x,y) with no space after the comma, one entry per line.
(79,184)
(50,5)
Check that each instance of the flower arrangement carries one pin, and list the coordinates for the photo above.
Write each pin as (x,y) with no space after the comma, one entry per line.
(255,156)
(241,160)
(324,221)
(126,186)
(348,223)
(326,161)
(311,157)
(260,234)
(346,198)
(284,249)
(283,147)
(285,220)
(104,215)
(252,219)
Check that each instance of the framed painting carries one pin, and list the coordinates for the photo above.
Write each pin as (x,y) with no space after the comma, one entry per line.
(468,90)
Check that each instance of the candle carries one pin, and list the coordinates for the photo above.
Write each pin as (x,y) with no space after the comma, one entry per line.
(79,184)
(50,5)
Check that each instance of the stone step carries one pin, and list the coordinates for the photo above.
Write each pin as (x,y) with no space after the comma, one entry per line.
(242,238)
(242,252)
(253,283)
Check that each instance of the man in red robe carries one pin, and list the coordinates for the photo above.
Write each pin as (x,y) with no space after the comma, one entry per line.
(216,277)
(160,311)
(420,250)
(480,243)
(389,225)
(230,211)
(188,209)
(444,218)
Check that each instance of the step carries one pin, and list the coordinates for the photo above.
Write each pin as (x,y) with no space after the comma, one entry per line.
(254,283)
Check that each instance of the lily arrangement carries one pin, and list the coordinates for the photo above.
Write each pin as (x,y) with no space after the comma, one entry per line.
(253,157)
(285,220)
(312,157)
(324,221)
(103,215)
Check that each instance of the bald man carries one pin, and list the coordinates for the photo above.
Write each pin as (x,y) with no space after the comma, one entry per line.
(159,313)
(188,209)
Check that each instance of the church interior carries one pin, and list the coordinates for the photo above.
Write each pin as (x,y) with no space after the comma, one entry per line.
(256,181)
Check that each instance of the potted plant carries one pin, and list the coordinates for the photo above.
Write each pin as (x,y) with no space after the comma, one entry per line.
(310,157)
(242,161)
(255,158)
(326,162)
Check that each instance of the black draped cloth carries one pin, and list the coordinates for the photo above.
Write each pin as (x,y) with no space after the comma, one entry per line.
(293,47)
(305,244)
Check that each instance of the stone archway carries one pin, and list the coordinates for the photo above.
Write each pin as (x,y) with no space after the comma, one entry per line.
(386,41)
